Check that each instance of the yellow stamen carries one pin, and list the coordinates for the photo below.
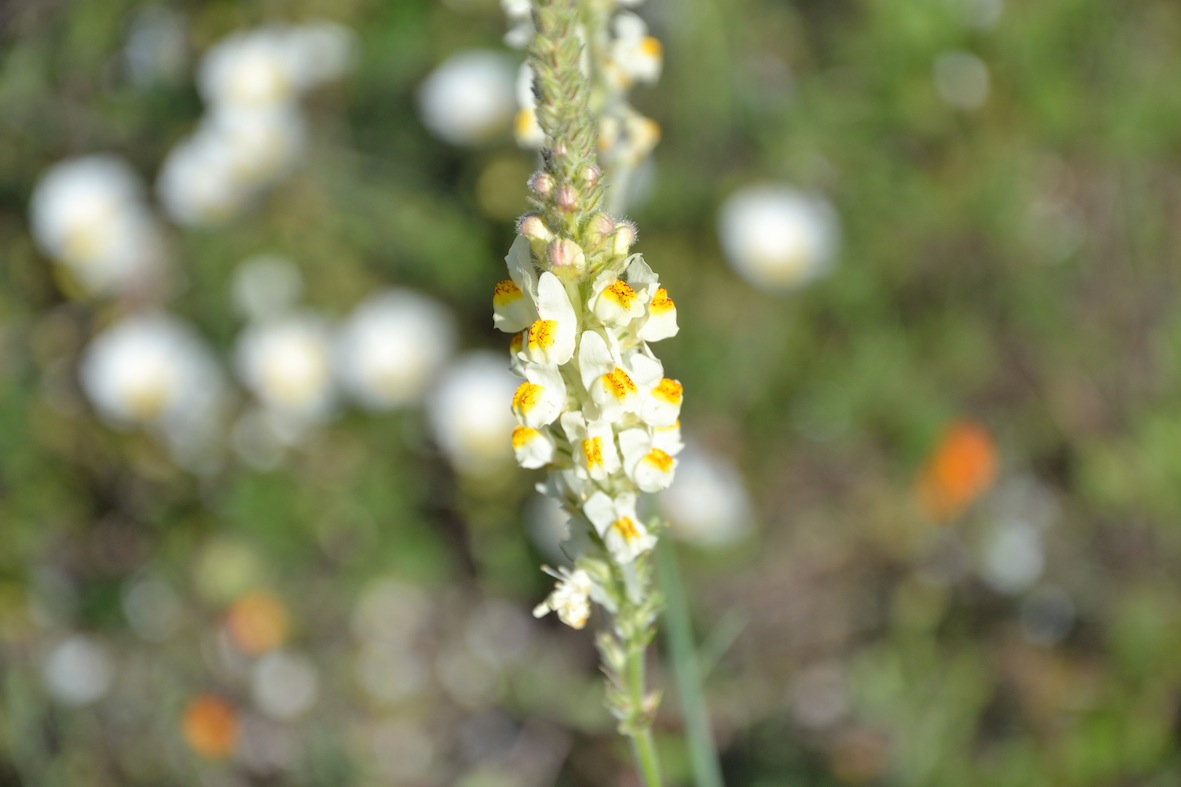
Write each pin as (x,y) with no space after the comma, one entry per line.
(651,46)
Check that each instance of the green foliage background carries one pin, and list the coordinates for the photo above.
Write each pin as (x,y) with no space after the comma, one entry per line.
(1017,264)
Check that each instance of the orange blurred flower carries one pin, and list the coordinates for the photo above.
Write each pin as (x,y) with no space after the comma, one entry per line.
(257,622)
(210,726)
(962,467)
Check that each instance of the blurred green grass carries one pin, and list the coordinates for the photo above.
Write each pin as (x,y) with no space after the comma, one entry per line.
(1016,264)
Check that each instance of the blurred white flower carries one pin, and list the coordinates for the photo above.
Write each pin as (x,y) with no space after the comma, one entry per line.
(287,364)
(150,369)
(265,286)
(231,157)
(392,348)
(635,55)
(776,237)
(708,504)
(196,184)
(284,685)
(961,79)
(88,213)
(526,129)
(469,98)
(77,671)
(249,69)
(469,414)
(1013,556)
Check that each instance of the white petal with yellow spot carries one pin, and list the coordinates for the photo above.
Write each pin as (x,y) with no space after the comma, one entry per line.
(649,467)
(595,454)
(611,387)
(662,404)
(614,301)
(616,522)
(541,398)
(550,340)
(533,447)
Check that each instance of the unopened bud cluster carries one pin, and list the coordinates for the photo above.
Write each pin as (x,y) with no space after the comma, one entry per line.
(617,53)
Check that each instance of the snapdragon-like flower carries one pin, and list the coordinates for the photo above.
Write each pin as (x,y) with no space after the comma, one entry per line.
(595,409)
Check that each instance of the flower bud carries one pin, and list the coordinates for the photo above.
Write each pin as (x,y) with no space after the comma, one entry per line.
(623,238)
(591,174)
(598,229)
(565,255)
(566,198)
(533,227)
(542,184)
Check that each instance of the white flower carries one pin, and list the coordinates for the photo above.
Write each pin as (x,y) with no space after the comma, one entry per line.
(661,406)
(262,145)
(616,523)
(152,370)
(708,504)
(961,79)
(550,340)
(469,415)
(468,100)
(514,300)
(541,398)
(149,369)
(614,301)
(77,671)
(392,347)
(595,454)
(287,364)
(254,69)
(525,126)
(88,213)
(533,447)
(570,598)
(635,55)
(196,183)
(649,467)
(776,237)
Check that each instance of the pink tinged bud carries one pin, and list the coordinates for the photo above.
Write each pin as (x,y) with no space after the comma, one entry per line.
(591,175)
(542,184)
(599,228)
(566,198)
(533,228)
(559,150)
(565,254)
(624,237)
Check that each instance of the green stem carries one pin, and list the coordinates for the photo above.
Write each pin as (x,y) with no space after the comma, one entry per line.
(643,746)
(703,753)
